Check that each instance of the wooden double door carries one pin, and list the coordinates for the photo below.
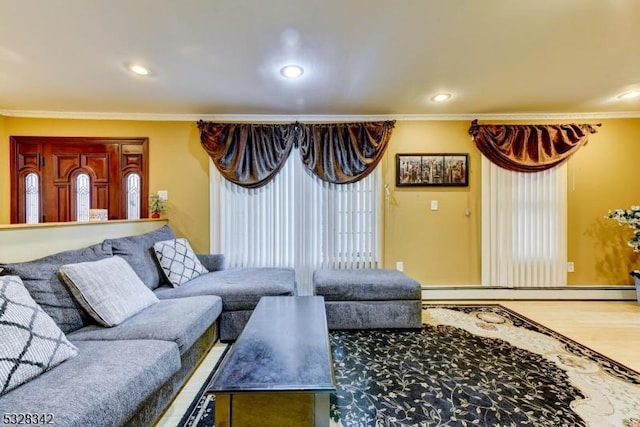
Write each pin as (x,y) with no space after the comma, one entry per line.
(58,161)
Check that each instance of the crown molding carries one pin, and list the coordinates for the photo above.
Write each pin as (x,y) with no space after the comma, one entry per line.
(312,117)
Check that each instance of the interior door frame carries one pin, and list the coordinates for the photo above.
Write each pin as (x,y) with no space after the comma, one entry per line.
(132,153)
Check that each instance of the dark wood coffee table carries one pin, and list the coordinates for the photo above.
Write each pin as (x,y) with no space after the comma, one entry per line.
(279,372)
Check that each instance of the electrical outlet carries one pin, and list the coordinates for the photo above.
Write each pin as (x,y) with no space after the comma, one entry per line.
(434,205)
(571,267)
(400,266)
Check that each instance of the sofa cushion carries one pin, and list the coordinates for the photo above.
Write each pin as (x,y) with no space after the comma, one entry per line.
(178,261)
(103,386)
(240,288)
(212,262)
(31,341)
(181,320)
(41,279)
(138,252)
(108,289)
(375,284)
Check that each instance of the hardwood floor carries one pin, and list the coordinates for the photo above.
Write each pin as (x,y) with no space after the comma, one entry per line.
(180,404)
(611,328)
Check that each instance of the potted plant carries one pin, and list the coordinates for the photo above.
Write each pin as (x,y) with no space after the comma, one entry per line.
(156,205)
(630,218)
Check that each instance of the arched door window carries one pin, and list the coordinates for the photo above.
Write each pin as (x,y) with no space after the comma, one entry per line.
(83,197)
(133,196)
(32,198)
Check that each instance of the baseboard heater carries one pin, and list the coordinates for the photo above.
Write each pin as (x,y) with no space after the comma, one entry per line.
(609,293)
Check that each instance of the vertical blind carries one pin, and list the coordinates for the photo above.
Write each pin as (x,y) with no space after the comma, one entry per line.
(524,227)
(297,221)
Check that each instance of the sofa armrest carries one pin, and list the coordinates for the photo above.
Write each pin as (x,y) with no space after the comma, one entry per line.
(212,262)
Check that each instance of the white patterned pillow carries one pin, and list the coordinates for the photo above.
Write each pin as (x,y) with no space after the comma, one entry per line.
(178,261)
(108,289)
(32,343)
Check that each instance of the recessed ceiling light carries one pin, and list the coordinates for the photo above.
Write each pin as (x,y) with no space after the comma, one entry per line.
(441,97)
(291,71)
(138,69)
(629,95)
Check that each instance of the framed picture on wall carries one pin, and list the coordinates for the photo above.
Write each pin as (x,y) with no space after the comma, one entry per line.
(429,169)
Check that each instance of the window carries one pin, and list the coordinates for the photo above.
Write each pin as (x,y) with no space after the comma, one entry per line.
(133,196)
(32,198)
(83,197)
(524,231)
(297,221)
(350,223)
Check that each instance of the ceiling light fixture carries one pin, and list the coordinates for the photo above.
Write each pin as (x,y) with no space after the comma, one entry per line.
(629,95)
(291,71)
(138,69)
(441,97)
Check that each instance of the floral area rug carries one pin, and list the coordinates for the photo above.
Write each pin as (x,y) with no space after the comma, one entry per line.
(470,366)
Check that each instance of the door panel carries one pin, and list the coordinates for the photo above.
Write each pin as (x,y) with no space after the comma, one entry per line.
(100,196)
(68,161)
(29,158)
(98,164)
(59,206)
(63,164)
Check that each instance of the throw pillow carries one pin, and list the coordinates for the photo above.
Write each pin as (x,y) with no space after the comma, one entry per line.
(178,261)
(108,289)
(32,343)
(138,252)
(41,279)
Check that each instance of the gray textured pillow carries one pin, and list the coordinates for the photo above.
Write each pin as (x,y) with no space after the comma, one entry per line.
(138,252)
(32,343)
(41,279)
(108,289)
(178,261)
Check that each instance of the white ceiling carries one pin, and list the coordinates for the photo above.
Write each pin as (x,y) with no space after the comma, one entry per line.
(361,57)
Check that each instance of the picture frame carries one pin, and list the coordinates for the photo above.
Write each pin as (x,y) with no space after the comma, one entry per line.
(432,169)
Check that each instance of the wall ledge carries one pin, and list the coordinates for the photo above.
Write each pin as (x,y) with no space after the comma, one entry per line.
(77,223)
(25,242)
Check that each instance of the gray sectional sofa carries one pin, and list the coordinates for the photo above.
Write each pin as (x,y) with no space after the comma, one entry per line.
(127,374)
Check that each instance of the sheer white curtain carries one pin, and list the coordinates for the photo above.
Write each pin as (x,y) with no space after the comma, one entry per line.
(524,227)
(296,221)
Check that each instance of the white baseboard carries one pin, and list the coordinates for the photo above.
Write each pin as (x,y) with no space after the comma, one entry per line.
(613,293)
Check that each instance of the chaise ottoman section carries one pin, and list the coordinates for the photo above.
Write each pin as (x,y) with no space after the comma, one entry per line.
(369,298)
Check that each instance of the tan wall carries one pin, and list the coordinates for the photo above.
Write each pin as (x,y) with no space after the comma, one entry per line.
(177,164)
(603,176)
(443,247)
(4,174)
(436,247)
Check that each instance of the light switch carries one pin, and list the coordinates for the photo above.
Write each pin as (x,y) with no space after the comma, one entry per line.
(163,194)
(434,205)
